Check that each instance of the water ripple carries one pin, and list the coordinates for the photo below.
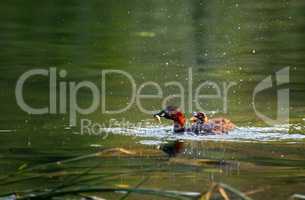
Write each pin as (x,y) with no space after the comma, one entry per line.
(240,134)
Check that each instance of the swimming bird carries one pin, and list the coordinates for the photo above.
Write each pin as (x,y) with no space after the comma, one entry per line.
(200,123)
(173,113)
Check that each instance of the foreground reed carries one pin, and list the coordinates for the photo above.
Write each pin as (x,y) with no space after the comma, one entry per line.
(71,185)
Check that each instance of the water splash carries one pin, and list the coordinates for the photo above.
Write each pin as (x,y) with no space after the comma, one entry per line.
(240,134)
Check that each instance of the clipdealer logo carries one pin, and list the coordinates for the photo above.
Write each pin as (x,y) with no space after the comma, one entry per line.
(283,102)
(63,94)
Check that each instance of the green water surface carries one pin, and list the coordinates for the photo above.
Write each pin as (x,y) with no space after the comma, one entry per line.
(161,41)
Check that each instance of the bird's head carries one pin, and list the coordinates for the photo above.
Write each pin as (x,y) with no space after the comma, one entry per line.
(199,116)
(167,113)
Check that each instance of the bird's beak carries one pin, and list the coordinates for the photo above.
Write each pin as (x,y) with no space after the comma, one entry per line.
(158,115)
(158,118)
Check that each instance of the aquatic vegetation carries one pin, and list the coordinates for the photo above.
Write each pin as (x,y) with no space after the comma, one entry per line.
(82,184)
(65,188)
